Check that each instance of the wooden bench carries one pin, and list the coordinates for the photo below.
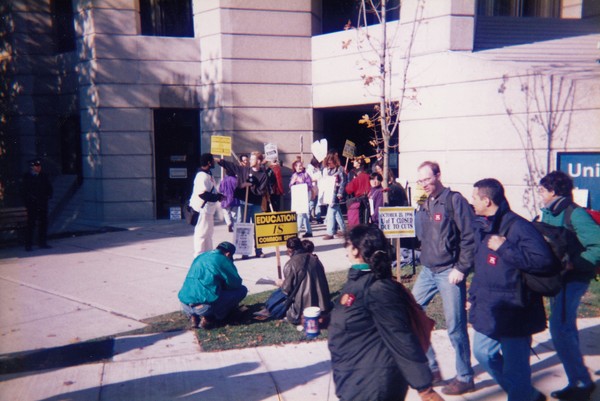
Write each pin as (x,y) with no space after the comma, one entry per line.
(12,220)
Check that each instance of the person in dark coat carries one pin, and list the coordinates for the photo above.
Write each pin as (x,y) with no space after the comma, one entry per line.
(503,312)
(36,190)
(375,353)
(252,185)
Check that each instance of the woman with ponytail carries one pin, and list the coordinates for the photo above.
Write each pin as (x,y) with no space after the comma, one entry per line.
(375,350)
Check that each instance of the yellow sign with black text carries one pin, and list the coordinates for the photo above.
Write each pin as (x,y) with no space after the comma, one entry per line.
(274,229)
(220,145)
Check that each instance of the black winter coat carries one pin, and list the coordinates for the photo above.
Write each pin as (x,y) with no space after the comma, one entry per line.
(374,353)
(36,190)
(501,306)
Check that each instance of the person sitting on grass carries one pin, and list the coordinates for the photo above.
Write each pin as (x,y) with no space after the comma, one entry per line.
(304,285)
(212,288)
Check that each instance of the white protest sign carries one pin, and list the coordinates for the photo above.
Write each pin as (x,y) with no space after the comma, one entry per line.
(271,153)
(319,149)
(397,222)
(244,238)
(300,198)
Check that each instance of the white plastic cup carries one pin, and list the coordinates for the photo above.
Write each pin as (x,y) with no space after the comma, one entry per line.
(311,321)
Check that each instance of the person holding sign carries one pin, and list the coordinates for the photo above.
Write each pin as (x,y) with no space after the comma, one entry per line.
(252,186)
(334,182)
(301,186)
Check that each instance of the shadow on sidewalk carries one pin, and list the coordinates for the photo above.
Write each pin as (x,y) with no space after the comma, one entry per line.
(75,354)
(228,383)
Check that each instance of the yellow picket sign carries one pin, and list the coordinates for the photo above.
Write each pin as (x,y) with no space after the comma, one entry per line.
(276,228)
(220,145)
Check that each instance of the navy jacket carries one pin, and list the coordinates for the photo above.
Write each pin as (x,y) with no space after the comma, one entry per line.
(500,304)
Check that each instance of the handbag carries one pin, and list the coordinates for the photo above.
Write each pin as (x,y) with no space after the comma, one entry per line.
(277,304)
(191,216)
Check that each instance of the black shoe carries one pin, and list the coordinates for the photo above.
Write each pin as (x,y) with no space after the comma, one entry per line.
(456,387)
(245,257)
(319,221)
(307,235)
(230,228)
(574,393)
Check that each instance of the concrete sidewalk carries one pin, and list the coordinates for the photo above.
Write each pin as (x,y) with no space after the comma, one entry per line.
(98,285)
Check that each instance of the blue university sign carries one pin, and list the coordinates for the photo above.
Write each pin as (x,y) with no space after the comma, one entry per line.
(584,168)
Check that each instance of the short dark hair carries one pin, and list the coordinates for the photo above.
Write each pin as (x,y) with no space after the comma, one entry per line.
(558,182)
(434,166)
(294,243)
(376,175)
(206,159)
(491,188)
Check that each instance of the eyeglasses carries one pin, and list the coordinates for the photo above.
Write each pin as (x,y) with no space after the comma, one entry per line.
(426,181)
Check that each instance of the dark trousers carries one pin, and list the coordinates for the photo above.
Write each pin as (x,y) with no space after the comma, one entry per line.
(39,215)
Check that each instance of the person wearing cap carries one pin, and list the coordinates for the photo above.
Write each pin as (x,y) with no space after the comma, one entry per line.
(36,190)
(212,288)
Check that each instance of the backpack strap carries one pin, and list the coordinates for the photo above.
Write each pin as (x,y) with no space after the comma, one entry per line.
(567,217)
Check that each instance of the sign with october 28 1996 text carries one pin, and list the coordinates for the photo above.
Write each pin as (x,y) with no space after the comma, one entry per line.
(397,222)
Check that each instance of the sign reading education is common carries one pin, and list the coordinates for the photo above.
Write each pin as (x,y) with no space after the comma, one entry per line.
(397,222)
(274,229)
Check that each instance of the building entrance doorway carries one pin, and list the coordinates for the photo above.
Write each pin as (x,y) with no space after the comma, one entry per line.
(341,124)
(176,153)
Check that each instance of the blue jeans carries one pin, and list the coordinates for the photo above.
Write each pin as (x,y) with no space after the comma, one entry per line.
(334,214)
(453,301)
(507,361)
(228,300)
(314,209)
(304,220)
(564,331)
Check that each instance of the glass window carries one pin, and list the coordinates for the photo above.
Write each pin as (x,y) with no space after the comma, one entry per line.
(167,18)
(337,13)
(64,28)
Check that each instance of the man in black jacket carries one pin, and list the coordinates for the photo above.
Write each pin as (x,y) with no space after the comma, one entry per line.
(444,226)
(36,190)
(252,186)
(503,312)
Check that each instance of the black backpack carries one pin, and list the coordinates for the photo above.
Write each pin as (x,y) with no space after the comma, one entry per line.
(550,282)
(565,246)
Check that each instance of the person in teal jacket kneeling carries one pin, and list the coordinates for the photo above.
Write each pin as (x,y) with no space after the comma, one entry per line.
(212,288)
(559,210)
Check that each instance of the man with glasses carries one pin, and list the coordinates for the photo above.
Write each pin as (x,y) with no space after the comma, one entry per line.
(444,227)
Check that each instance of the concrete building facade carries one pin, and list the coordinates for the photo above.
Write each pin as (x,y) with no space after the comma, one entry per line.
(127,109)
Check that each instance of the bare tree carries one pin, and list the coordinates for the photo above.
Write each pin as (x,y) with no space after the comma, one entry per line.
(543,124)
(376,45)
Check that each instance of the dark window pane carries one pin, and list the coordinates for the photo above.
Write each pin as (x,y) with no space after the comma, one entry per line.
(337,13)
(167,18)
(64,27)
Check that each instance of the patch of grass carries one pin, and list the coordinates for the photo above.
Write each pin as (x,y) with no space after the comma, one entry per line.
(243,331)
